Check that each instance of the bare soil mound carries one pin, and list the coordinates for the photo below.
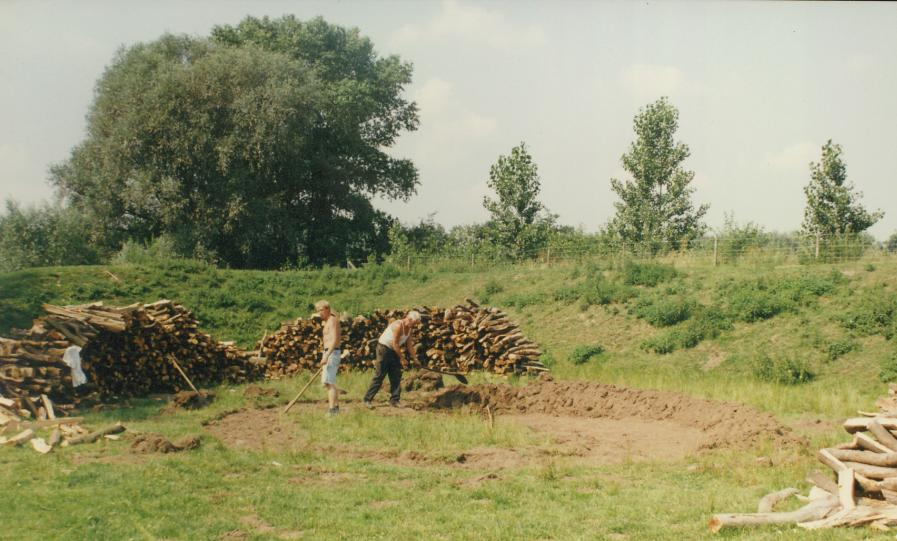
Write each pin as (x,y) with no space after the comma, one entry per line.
(156,443)
(717,424)
(423,381)
(190,400)
(256,391)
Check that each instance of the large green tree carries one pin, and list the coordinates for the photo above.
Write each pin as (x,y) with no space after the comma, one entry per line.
(655,208)
(833,205)
(519,219)
(261,145)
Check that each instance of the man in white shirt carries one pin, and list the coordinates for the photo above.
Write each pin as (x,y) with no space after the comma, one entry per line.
(391,357)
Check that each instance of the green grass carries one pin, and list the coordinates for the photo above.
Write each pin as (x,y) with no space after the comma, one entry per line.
(837,320)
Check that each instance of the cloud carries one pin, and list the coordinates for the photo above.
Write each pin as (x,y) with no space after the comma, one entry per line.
(472,23)
(647,80)
(796,156)
(446,117)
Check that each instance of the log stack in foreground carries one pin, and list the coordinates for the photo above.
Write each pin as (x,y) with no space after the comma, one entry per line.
(462,338)
(126,351)
(862,489)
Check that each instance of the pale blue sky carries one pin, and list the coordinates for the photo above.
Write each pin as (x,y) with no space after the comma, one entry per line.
(760,87)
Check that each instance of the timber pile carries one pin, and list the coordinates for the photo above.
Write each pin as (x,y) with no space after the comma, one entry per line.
(126,351)
(458,339)
(862,491)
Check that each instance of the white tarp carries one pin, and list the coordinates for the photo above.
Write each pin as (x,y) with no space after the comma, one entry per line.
(72,357)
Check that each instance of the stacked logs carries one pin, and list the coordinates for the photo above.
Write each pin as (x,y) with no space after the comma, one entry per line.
(862,491)
(458,339)
(126,351)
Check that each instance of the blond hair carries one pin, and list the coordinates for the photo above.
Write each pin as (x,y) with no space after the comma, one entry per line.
(413,315)
(321,304)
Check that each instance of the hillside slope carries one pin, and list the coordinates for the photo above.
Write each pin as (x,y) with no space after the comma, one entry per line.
(795,340)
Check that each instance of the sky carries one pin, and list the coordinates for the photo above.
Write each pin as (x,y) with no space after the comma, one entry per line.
(760,87)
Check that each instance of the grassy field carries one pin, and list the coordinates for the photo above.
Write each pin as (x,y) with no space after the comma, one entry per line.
(806,343)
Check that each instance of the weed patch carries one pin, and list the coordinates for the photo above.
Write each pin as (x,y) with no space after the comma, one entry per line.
(785,370)
(583,354)
(647,274)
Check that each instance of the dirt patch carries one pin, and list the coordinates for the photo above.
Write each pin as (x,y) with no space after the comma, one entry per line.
(156,443)
(255,430)
(714,424)
(423,381)
(256,391)
(190,400)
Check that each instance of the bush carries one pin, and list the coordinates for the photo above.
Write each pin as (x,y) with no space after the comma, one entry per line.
(664,311)
(567,294)
(840,348)
(888,373)
(783,370)
(582,354)
(707,323)
(753,301)
(522,300)
(647,274)
(875,312)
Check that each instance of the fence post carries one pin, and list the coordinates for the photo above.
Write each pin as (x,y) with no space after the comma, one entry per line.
(408,263)
(715,252)
(548,257)
(817,245)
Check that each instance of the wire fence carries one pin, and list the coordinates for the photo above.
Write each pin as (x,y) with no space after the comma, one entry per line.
(706,251)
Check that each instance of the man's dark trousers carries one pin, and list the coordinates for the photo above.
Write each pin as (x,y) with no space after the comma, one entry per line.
(387,365)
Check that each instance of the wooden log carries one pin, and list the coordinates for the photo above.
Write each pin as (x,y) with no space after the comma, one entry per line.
(842,517)
(814,510)
(767,503)
(826,457)
(872,472)
(870,444)
(882,435)
(117,428)
(846,483)
(20,438)
(866,457)
(859,424)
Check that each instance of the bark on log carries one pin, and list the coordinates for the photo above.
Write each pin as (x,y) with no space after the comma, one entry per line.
(888,460)
(872,472)
(824,482)
(858,424)
(870,444)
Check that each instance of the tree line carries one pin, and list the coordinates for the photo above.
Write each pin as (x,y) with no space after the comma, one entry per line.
(263,144)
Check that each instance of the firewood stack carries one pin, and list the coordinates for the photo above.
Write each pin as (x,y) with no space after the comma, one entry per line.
(462,338)
(126,351)
(862,491)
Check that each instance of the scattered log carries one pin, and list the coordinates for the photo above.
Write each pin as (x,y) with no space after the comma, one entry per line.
(882,434)
(814,510)
(767,503)
(94,436)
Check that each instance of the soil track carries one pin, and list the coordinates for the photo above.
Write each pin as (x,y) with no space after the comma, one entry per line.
(588,422)
(720,424)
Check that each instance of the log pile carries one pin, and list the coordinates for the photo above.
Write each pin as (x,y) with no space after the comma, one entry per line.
(126,351)
(861,491)
(458,339)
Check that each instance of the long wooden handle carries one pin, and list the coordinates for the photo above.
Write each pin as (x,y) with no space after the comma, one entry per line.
(293,401)
(176,365)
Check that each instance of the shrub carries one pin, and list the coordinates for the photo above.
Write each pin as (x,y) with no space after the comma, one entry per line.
(492,287)
(582,354)
(664,311)
(888,373)
(753,301)
(567,294)
(45,235)
(840,348)
(875,312)
(647,274)
(663,343)
(707,322)
(783,370)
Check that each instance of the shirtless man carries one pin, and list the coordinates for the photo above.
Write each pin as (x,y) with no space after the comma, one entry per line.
(391,358)
(331,358)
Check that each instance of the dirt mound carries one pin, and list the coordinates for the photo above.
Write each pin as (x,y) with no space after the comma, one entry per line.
(256,391)
(156,443)
(190,400)
(423,381)
(721,424)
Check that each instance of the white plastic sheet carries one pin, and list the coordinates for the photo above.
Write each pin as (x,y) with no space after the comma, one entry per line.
(72,357)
